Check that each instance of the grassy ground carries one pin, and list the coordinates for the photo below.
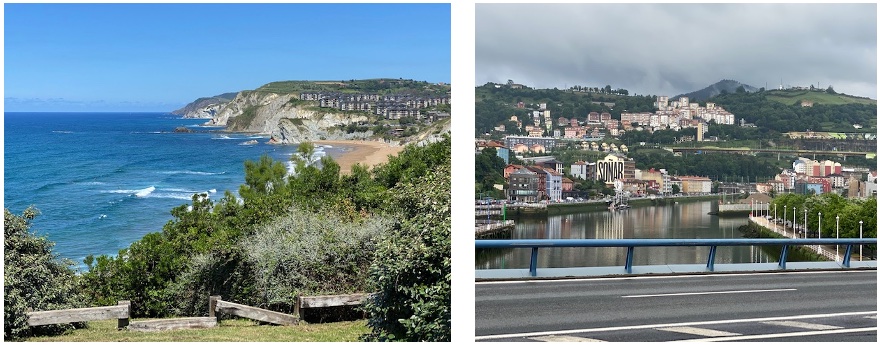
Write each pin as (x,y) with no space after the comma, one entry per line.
(227,331)
(795,96)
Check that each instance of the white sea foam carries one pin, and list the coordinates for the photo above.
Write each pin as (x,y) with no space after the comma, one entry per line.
(178,196)
(212,191)
(102,216)
(62,132)
(136,192)
(190,172)
(143,193)
(223,137)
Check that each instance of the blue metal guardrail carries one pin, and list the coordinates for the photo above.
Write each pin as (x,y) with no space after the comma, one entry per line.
(713,244)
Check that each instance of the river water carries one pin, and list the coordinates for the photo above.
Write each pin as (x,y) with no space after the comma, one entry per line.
(679,220)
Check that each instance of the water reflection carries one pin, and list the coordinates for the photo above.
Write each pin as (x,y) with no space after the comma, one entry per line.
(680,220)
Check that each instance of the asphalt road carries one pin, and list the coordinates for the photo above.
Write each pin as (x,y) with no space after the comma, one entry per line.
(787,306)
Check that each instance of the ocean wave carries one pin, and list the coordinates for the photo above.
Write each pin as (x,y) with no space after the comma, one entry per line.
(223,137)
(63,132)
(49,186)
(140,193)
(178,196)
(190,172)
(144,192)
(179,193)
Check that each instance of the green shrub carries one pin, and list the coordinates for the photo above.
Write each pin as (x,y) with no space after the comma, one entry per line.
(306,253)
(244,120)
(221,273)
(412,269)
(33,278)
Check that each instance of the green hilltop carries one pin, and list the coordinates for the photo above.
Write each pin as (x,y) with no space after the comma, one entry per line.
(819,96)
(380,86)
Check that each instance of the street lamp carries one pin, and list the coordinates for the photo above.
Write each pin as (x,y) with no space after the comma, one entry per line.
(837,247)
(805,223)
(820,225)
(775,220)
(784,218)
(860,237)
(794,222)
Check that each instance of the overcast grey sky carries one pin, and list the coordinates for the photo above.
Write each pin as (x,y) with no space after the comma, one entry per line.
(669,49)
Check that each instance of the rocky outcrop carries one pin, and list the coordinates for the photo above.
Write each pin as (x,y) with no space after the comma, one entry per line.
(286,119)
(205,107)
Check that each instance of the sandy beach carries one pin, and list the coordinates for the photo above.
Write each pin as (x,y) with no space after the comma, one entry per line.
(369,153)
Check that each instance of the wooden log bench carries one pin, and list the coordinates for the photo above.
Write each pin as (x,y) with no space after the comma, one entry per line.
(216,304)
(173,324)
(120,312)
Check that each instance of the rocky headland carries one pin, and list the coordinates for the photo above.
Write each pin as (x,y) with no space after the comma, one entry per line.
(276,109)
(205,107)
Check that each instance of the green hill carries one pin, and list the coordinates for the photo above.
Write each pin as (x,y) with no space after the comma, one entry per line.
(794,97)
(380,86)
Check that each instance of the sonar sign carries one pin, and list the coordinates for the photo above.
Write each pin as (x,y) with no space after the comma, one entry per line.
(610,168)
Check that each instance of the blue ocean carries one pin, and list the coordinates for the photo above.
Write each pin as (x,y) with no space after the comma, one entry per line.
(103,180)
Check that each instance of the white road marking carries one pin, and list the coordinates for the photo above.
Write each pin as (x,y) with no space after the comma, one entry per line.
(705,293)
(698,331)
(871,317)
(799,324)
(566,339)
(785,335)
(539,281)
(681,324)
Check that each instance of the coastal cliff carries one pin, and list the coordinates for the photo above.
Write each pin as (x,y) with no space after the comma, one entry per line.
(285,118)
(395,111)
(205,107)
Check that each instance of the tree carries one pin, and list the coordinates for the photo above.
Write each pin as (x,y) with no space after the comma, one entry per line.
(830,90)
(304,154)
(33,278)
(412,270)
(676,189)
(488,168)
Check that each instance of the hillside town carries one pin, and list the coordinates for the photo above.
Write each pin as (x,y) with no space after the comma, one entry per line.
(673,115)
(389,107)
(545,179)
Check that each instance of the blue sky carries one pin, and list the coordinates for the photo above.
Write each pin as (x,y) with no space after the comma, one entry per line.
(159,57)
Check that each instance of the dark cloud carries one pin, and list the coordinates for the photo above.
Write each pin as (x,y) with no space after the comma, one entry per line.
(676,48)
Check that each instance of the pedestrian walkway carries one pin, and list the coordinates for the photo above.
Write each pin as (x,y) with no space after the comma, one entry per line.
(830,252)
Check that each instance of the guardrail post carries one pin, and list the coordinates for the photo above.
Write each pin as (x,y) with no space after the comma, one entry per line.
(629,259)
(122,323)
(783,256)
(847,255)
(711,264)
(533,264)
(212,305)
